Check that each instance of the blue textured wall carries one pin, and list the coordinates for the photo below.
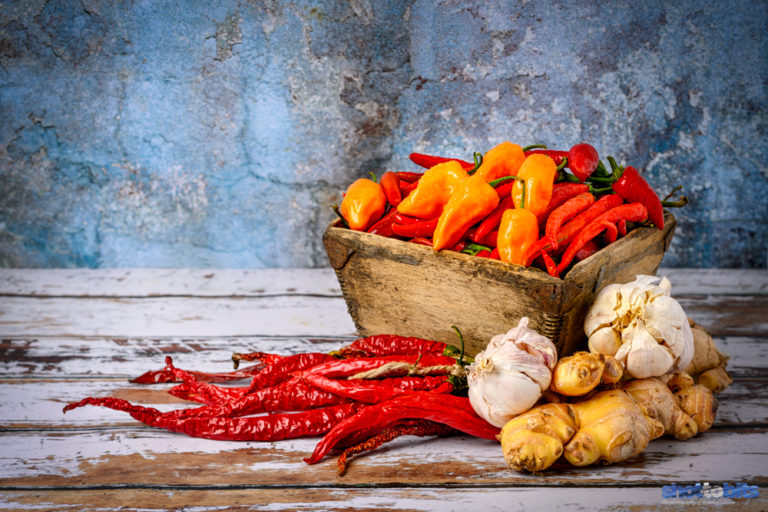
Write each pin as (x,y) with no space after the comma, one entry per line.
(165,134)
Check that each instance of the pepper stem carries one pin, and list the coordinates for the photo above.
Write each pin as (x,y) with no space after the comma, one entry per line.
(562,164)
(341,217)
(461,341)
(373,177)
(478,159)
(534,146)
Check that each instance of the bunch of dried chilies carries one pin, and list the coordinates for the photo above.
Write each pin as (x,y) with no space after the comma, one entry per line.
(529,206)
(365,394)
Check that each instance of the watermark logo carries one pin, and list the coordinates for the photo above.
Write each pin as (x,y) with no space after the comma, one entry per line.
(707,491)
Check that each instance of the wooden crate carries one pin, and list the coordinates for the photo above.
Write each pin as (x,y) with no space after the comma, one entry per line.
(395,287)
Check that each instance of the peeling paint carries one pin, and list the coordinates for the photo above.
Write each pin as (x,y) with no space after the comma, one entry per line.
(158,135)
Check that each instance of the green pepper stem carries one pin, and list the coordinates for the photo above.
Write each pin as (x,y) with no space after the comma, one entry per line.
(461,341)
(562,164)
(534,146)
(675,204)
(672,192)
(473,248)
(338,212)
(478,159)
(495,183)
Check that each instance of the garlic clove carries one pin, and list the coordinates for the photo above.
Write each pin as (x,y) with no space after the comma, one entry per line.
(641,354)
(604,341)
(666,321)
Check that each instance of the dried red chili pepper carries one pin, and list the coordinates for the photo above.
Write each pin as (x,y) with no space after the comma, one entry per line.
(633,212)
(429,161)
(390,345)
(377,390)
(390,182)
(423,228)
(343,368)
(273,427)
(264,357)
(634,189)
(565,212)
(213,395)
(453,411)
(165,375)
(420,428)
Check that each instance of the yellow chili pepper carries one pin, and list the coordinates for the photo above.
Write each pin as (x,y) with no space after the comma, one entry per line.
(502,160)
(470,202)
(434,190)
(538,172)
(519,229)
(364,203)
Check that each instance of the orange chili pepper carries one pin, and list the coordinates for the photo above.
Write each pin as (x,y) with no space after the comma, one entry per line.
(472,199)
(519,229)
(434,190)
(502,160)
(364,203)
(539,172)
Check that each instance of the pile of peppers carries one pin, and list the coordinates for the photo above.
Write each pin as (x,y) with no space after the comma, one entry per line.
(357,398)
(529,206)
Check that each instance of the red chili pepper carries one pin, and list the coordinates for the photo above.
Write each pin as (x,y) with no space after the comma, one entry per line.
(634,212)
(264,357)
(634,189)
(420,428)
(493,220)
(213,395)
(429,161)
(565,212)
(505,189)
(420,228)
(343,368)
(165,375)
(587,250)
(494,254)
(572,228)
(583,160)
(483,254)
(409,177)
(406,187)
(391,185)
(549,263)
(377,390)
(453,411)
(384,226)
(561,192)
(390,344)
(554,154)
(273,427)
(420,240)
(401,218)
(459,246)
(622,227)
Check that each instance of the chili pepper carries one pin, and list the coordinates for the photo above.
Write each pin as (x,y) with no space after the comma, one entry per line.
(409,177)
(450,410)
(390,183)
(571,229)
(398,364)
(384,226)
(564,213)
(213,395)
(420,240)
(377,390)
(492,221)
(389,344)
(582,160)
(469,203)
(284,368)
(429,161)
(405,219)
(666,203)
(483,254)
(420,428)
(494,254)
(165,375)
(549,263)
(406,188)
(538,173)
(273,427)
(587,250)
(502,160)
(264,357)
(561,192)
(504,190)
(634,212)
(424,228)
(557,156)
(519,229)
(364,203)
(633,188)
(433,191)
(621,226)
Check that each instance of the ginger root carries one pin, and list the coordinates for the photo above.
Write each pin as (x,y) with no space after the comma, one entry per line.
(708,364)
(658,402)
(580,373)
(608,427)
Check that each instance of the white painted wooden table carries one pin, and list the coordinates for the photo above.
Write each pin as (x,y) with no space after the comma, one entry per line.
(67,334)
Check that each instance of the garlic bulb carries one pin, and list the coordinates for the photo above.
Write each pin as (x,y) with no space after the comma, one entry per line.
(639,324)
(508,377)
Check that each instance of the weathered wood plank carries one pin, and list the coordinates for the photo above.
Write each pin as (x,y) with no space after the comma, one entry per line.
(38,403)
(175,316)
(150,458)
(502,499)
(60,357)
(168,282)
(729,315)
(129,357)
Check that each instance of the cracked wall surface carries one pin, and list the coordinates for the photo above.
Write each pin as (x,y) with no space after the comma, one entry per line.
(164,134)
